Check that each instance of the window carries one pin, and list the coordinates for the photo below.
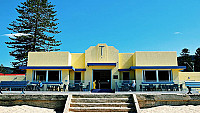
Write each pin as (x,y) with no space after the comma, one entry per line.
(150,76)
(156,75)
(40,76)
(77,77)
(47,75)
(164,76)
(53,76)
(126,77)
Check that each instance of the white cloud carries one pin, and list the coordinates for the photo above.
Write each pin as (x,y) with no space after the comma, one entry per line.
(177,33)
(16,34)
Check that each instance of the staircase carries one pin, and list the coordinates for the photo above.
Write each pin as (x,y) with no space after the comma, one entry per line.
(103,103)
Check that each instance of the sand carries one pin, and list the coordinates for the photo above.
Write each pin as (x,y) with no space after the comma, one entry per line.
(25,109)
(159,109)
(173,109)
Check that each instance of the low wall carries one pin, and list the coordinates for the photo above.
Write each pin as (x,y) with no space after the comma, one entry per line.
(12,78)
(149,100)
(185,76)
(56,102)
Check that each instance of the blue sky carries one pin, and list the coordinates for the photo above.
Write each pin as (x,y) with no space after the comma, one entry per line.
(128,25)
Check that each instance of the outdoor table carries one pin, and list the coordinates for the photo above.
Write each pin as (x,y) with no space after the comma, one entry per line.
(31,87)
(152,85)
(54,87)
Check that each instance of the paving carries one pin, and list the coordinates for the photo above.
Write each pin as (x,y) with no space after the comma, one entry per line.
(86,92)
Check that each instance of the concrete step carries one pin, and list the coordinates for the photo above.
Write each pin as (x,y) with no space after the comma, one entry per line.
(103,96)
(129,105)
(101,109)
(101,100)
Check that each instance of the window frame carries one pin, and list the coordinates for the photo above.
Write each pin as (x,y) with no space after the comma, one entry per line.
(157,77)
(128,76)
(47,76)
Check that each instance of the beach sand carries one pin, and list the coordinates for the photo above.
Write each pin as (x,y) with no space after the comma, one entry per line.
(158,109)
(172,109)
(25,109)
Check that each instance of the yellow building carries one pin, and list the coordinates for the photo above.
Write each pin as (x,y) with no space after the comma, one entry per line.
(104,64)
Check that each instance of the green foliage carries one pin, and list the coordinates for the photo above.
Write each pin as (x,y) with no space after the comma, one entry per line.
(185,52)
(37,23)
(3,70)
(186,60)
(197,60)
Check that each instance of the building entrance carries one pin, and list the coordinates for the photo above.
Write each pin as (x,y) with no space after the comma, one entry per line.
(103,79)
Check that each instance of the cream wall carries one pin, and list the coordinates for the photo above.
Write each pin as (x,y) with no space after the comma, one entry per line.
(109,55)
(125,60)
(138,75)
(175,74)
(72,75)
(134,59)
(78,60)
(49,59)
(12,78)
(29,74)
(155,58)
(93,54)
(188,76)
(183,76)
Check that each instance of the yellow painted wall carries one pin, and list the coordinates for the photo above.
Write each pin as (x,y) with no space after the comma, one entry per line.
(175,74)
(78,60)
(93,55)
(131,74)
(193,76)
(125,60)
(183,76)
(29,74)
(110,55)
(72,75)
(156,58)
(65,76)
(138,75)
(12,78)
(49,59)
(134,59)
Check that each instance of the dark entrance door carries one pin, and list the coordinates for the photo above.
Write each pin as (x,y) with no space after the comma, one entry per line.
(77,77)
(103,79)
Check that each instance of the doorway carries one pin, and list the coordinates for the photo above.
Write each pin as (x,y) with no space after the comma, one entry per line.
(103,79)
(77,77)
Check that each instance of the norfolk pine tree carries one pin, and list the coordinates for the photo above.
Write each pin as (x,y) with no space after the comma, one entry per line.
(185,57)
(197,60)
(37,24)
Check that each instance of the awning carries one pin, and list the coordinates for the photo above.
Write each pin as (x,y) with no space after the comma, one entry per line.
(101,64)
(80,69)
(157,82)
(123,69)
(51,67)
(47,67)
(158,67)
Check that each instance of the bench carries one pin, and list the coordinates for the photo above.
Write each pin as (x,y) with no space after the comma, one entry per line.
(192,84)
(13,84)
